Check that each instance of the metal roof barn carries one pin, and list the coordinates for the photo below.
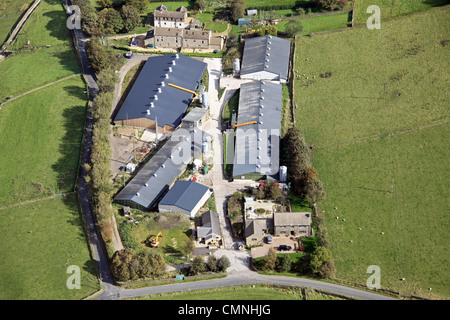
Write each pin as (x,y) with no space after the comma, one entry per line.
(185,197)
(157,175)
(266,58)
(257,145)
(152,98)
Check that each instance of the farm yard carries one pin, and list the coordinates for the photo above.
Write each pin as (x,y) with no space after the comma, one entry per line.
(42,117)
(371,105)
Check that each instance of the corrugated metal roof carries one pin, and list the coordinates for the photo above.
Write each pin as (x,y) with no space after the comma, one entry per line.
(257,145)
(155,177)
(195,114)
(266,53)
(184,194)
(171,103)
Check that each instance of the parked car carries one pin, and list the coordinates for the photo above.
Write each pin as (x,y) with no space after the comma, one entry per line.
(284,247)
(269,239)
(129,54)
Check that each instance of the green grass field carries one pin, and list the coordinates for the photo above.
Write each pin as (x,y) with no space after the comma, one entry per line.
(40,141)
(10,13)
(379,127)
(393,8)
(320,23)
(257,292)
(39,242)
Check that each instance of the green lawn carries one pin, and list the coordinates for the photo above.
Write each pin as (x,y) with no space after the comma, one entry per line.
(379,127)
(39,242)
(393,8)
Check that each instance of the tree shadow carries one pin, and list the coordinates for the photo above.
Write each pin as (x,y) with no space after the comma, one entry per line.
(66,166)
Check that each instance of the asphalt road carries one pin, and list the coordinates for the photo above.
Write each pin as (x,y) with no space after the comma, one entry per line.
(239,277)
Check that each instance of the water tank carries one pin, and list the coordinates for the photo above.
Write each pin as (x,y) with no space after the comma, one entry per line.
(283,174)
(236,65)
(205,99)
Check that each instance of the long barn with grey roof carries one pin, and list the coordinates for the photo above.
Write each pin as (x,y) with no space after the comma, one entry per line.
(257,142)
(152,101)
(152,181)
(266,58)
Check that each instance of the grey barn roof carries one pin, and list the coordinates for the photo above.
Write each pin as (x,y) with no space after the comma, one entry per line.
(155,177)
(184,194)
(210,225)
(257,145)
(266,54)
(171,103)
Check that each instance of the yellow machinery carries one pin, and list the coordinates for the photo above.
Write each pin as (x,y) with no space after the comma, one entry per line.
(181,88)
(154,243)
(243,124)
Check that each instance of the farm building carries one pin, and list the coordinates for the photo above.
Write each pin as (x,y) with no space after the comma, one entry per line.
(266,58)
(257,142)
(292,223)
(164,18)
(153,101)
(209,231)
(158,174)
(196,117)
(185,197)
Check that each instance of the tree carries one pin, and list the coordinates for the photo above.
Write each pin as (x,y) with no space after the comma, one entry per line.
(120,264)
(327,270)
(270,30)
(140,5)
(329,4)
(211,263)
(200,5)
(189,247)
(198,265)
(110,19)
(223,263)
(106,80)
(98,58)
(283,263)
(293,27)
(318,258)
(131,18)
(237,9)
(271,259)
(314,190)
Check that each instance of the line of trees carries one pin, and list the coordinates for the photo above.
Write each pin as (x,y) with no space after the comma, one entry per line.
(317,263)
(212,264)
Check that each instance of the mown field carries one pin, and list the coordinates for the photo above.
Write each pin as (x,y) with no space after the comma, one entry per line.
(41,133)
(378,123)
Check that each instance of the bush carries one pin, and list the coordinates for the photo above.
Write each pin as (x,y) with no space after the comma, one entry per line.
(223,263)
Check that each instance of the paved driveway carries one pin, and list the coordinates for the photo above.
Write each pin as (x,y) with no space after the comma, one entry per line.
(276,242)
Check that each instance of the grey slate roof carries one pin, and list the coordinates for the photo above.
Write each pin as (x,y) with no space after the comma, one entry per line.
(155,177)
(184,194)
(171,103)
(210,225)
(266,53)
(257,145)
(292,219)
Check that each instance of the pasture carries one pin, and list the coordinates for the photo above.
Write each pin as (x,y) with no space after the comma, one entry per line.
(40,151)
(393,8)
(39,241)
(373,106)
